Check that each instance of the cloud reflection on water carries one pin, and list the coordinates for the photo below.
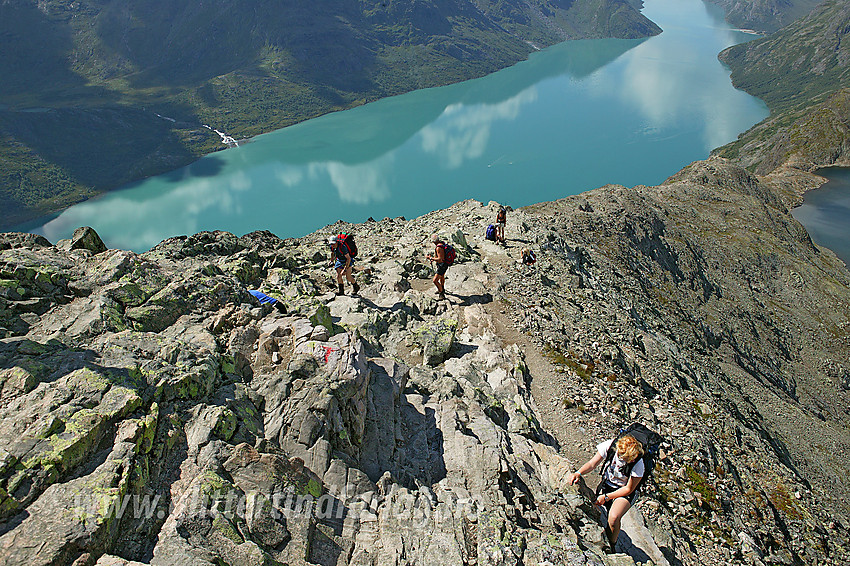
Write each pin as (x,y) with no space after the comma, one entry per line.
(175,212)
(669,83)
(364,183)
(462,132)
(572,117)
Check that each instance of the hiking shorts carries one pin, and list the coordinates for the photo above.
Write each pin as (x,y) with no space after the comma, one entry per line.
(340,263)
(441,268)
(606,487)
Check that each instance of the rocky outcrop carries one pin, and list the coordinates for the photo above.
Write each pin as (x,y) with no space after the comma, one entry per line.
(153,412)
(792,146)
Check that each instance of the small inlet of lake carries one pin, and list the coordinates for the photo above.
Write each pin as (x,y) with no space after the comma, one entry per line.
(825,212)
(571,118)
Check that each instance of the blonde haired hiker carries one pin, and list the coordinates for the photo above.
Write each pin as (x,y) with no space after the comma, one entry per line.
(627,461)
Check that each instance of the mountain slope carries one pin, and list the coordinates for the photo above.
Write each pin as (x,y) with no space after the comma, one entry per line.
(437,432)
(803,73)
(765,15)
(84,78)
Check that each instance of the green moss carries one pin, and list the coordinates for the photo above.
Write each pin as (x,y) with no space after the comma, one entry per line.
(699,484)
(88,378)
(226,529)
(322,317)
(141,473)
(32,348)
(71,446)
(18,379)
(148,423)
(228,364)
(11,289)
(314,488)
(244,270)
(8,504)
(582,368)
(225,425)
(211,481)
(129,294)
(784,502)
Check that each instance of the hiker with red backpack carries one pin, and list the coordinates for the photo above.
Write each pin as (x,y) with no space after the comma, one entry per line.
(344,250)
(627,461)
(444,255)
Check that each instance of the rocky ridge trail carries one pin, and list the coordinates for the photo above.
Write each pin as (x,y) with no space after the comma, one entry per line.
(151,412)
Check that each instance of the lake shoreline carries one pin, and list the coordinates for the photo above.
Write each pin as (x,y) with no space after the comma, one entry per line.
(823,211)
(571,118)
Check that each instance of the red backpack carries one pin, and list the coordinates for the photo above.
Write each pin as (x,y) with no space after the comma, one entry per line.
(449,254)
(348,241)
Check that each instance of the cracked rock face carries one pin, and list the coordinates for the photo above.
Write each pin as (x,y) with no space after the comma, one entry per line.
(151,412)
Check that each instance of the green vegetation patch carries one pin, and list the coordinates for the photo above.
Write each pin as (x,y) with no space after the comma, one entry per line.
(700,484)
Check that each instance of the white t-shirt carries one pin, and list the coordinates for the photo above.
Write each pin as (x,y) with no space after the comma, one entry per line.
(613,473)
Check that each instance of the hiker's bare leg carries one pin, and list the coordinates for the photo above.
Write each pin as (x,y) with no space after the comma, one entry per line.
(339,271)
(439,282)
(615,515)
(355,288)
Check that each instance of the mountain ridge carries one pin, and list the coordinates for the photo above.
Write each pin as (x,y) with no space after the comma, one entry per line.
(699,307)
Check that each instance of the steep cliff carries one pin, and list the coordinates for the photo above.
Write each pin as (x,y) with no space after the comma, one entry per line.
(391,427)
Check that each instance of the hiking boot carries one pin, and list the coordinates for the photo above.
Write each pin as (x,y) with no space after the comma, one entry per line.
(341,291)
(356,289)
(441,296)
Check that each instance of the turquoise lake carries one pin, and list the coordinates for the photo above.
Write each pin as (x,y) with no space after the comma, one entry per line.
(571,118)
(825,212)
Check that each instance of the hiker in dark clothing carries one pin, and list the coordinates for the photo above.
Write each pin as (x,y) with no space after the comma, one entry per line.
(442,265)
(528,257)
(616,491)
(501,219)
(343,262)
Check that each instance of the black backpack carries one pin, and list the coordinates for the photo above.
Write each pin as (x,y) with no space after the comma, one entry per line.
(651,442)
(348,241)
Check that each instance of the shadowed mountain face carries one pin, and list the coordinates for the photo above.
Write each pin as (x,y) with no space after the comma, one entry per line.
(159,70)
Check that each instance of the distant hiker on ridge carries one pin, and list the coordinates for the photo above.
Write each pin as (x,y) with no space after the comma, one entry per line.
(626,461)
(444,255)
(344,250)
(528,257)
(501,219)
